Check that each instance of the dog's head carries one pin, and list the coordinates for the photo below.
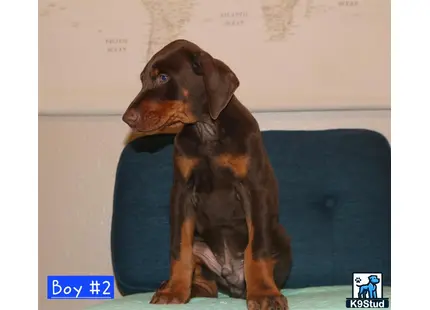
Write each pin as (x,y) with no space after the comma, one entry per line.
(373,279)
(181,84)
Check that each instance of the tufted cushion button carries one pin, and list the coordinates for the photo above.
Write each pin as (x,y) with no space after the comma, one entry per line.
(330,202)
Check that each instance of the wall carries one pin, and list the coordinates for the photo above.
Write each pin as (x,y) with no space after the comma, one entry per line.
(304,54)
(77,164)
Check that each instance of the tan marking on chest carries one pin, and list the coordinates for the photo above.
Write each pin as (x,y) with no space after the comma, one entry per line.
(186,165)
(237,164)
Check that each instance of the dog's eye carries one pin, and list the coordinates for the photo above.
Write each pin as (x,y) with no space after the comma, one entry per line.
(195,65)
(162,78)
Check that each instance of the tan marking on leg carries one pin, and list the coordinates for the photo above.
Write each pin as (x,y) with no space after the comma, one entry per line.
(258,273)
(182,269)
(178,289)
(202,287)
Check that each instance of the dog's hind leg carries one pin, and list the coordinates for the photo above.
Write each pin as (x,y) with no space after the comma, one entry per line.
(205,271)
(203,284)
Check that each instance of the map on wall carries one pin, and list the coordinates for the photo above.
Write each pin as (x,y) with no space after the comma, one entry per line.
(288,54)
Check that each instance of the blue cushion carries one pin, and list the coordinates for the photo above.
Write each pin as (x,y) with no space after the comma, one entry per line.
(334,202)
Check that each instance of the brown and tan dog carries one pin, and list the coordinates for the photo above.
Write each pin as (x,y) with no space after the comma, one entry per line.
(225,233)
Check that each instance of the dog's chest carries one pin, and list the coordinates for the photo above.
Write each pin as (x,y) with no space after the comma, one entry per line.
(216,200)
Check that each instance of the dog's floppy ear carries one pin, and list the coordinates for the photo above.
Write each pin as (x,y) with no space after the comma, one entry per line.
(220,82)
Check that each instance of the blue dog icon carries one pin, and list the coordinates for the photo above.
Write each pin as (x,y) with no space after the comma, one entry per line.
(368,290)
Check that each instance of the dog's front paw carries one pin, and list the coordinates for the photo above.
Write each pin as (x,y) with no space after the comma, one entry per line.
(267,303)
(171,294)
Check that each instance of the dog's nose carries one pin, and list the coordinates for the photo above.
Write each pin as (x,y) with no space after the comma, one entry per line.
(131,117)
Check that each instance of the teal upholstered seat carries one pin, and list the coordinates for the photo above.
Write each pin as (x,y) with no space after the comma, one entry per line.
(334,201)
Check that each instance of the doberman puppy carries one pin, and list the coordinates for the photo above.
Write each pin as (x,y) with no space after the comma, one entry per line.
(225,233)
